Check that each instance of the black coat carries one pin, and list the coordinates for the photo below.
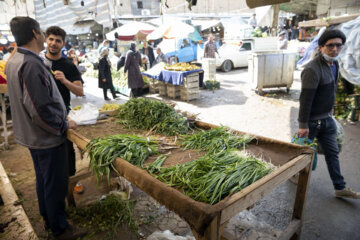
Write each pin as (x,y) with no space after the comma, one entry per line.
(104,72)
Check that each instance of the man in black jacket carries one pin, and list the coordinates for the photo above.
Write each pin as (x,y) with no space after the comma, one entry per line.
(318,91)
(67,76)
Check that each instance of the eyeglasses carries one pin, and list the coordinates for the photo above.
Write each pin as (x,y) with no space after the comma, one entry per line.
(332,45)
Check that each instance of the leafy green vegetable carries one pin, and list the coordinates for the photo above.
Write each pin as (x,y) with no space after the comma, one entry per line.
(103,151)
(142,113)
(105,215)
(215,140)
(212,177)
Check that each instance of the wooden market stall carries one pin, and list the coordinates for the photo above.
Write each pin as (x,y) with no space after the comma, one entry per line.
(208,221)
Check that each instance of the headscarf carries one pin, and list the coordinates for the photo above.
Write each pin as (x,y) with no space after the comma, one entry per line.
(133,47)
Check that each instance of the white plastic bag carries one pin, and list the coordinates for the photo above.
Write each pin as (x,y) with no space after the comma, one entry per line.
(87,115)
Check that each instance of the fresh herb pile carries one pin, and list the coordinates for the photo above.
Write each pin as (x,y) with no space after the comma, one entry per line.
(132,148)
(212,177)
(148,114)
(105,215)
(215,140)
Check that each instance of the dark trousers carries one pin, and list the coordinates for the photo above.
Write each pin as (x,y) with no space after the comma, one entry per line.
(112,91)
(136,92)
(71,157)
(325,131)
(52,178)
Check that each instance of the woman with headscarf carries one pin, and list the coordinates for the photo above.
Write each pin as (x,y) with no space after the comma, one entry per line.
(132,67)
(105,78)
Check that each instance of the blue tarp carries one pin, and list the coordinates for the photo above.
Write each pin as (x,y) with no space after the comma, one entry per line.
(176,77)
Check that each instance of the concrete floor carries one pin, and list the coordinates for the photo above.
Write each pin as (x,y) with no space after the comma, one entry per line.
(275,115)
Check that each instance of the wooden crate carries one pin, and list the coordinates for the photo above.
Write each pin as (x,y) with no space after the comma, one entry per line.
(154,87)
(173,91)
(162,88)
(191,79)
(188,96)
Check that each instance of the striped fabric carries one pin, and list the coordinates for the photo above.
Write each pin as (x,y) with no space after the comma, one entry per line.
(54,12)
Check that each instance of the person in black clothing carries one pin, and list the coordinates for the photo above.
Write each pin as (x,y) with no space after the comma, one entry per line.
(68,78)
(318,91)
(120,62)
(132,68)
(149,52)
(105,78)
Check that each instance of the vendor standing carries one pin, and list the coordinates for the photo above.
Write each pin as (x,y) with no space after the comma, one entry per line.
(149,52)
(132,67)
(210,48)
(68,78)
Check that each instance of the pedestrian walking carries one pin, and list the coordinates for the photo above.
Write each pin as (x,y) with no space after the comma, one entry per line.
(105,78)
(210,47)
(40,122)
(132,68)
(318,91)
(68,78)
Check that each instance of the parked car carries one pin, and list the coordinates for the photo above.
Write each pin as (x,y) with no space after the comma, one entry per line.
(181,50)
(234,54)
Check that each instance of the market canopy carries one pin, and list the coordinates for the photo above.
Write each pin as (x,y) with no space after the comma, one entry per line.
(260,3)
(129,31)
(175,31)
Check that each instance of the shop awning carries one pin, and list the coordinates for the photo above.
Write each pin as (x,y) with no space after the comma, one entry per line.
(206,24)
(131,30)
(81,28)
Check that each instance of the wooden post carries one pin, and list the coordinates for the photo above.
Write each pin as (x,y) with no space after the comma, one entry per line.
(300,199)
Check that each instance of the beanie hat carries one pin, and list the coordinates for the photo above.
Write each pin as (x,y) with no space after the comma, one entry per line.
(330,34)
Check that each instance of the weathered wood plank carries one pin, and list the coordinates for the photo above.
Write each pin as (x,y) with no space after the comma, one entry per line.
(260,188)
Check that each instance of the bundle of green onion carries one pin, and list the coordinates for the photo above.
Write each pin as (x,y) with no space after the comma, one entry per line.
(103,151)
(215,140)
(142,113)
(212,177)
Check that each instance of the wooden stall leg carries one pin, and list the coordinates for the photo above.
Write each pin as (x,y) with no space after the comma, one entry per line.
(212,232)
(301,193)
(72,182)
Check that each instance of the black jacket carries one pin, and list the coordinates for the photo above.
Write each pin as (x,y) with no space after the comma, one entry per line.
(105,72)
(318,91)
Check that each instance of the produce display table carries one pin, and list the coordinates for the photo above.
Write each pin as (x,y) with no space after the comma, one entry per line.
(176,77)
(3,90)
(208,221)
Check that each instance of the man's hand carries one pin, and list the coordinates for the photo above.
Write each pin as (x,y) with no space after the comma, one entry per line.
(103,80)
(72,124)
(59,75)
(303,132)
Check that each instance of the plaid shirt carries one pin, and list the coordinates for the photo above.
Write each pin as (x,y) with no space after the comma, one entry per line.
(210,49)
